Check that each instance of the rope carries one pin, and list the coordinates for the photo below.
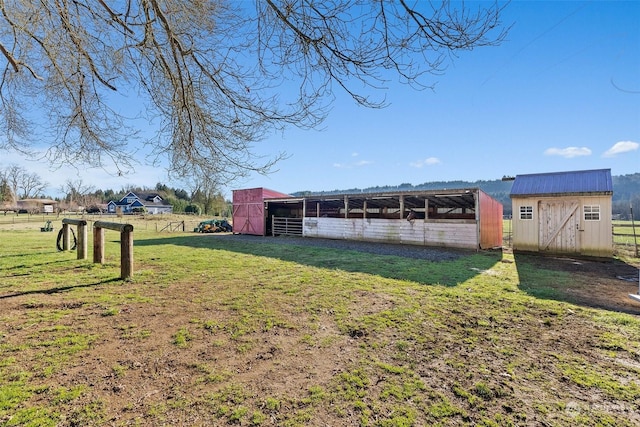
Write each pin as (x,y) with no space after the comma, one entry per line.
(59,241)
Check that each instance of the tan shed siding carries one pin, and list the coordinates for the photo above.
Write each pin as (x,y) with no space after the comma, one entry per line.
(525,232)
(596,236)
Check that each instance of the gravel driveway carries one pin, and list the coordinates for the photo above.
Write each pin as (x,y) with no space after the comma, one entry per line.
(405,251)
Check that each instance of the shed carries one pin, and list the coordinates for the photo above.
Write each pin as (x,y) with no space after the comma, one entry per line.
(563,213)
(462,218)
(249,210)
(37,205)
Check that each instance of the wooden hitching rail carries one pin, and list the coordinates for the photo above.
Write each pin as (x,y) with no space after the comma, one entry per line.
(82,236)
(126,245)
(126,242)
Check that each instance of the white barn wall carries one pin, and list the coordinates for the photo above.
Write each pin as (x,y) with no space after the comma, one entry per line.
(439,233)
(450,234)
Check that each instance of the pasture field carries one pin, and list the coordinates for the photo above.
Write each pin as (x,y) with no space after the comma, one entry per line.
(214,329)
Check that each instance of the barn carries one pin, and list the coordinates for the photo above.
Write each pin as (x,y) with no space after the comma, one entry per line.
(460,218)
(563,213)
(249,210)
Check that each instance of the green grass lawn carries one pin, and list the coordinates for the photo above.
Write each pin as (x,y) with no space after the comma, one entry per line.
(212,330)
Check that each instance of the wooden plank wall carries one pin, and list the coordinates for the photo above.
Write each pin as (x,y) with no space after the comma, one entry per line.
(597,236)
(490,214)
(441,233)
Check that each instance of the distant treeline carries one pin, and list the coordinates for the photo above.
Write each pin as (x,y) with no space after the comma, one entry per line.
(626,192)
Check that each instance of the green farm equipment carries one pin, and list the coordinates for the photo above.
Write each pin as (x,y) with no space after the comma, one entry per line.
(213,226)
(47,227)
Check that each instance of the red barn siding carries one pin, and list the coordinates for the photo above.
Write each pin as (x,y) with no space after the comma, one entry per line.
(490,221)
(248,210)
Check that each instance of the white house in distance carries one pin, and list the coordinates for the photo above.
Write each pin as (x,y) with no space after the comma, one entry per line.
(563,213)
(133,202)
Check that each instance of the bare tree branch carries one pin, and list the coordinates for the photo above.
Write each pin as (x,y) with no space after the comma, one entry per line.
(23,185)
(213,77)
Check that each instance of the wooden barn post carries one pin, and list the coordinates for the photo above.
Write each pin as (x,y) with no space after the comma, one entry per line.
(346,206)
(304,210)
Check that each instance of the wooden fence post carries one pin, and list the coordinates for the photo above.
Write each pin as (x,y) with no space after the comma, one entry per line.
(126,252)
(98,245)
(65,236)
(82,240)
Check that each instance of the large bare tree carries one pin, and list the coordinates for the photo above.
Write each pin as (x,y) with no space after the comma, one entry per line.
(77,192)
(213,76)
(22,183)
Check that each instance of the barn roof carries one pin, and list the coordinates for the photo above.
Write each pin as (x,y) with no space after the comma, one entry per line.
(596,181)
(455,198)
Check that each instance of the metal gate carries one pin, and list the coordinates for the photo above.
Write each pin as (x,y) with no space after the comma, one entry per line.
(286,226)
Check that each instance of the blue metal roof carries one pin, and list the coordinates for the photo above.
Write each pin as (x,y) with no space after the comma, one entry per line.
(588,181)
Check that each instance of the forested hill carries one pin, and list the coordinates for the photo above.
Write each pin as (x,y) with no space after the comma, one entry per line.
(626,190)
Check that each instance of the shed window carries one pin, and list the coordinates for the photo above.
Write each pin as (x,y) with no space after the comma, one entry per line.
(526,212)
(591,212)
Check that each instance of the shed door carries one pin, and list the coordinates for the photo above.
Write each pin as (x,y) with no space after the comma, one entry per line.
(559,223)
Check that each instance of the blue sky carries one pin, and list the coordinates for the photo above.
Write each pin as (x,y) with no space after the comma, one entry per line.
(562,92)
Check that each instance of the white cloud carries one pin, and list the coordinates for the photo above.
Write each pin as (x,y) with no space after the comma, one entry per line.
(430,161)
(359,163)
(568,152)
(363,163)
(621,147)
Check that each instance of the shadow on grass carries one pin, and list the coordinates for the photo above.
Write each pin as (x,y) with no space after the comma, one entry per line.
(58,289)
(26,254)
(23,266)
(595,283)
(426,265)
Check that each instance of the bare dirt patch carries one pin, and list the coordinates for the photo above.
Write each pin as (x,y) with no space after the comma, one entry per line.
(594,283)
